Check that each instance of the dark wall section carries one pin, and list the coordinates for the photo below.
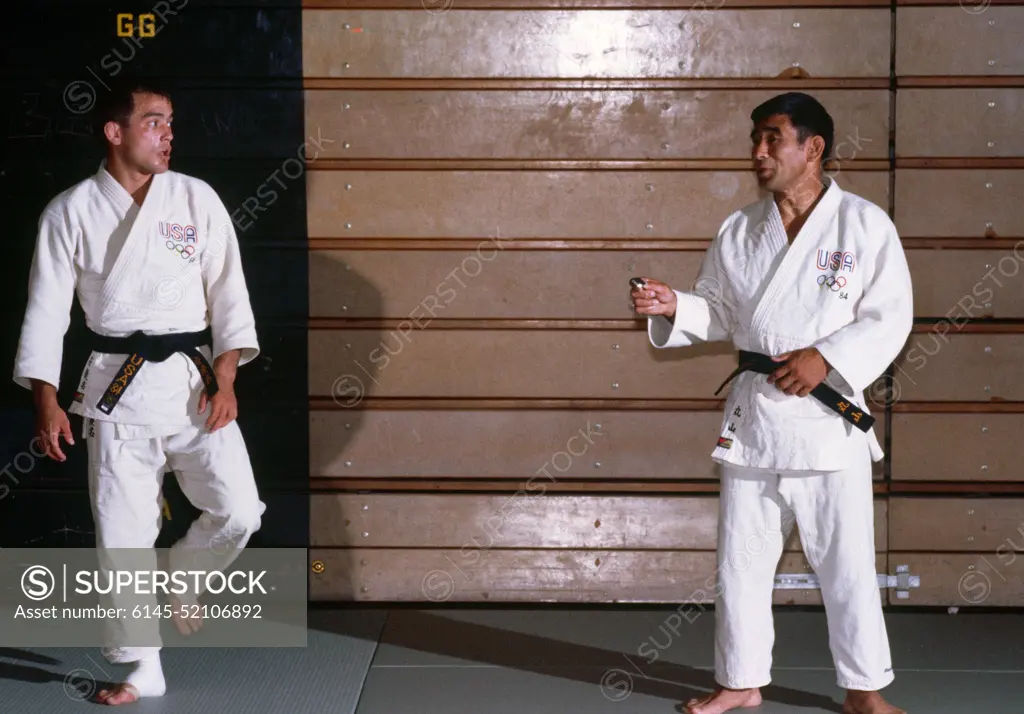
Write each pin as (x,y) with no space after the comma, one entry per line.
(235,68)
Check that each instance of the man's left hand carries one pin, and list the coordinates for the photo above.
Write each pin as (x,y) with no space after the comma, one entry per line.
(803,371)
(223,406)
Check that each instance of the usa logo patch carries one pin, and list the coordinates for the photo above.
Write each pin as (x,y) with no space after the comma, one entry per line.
(180,239)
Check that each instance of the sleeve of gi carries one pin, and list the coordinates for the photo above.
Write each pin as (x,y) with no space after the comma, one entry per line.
(703,314)
(862,350)
(51,289)
(231,318)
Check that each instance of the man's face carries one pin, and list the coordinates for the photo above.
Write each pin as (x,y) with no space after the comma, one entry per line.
(145,144)
(778,157)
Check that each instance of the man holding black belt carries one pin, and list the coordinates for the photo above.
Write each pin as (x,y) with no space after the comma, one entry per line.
(154,259)
(812,286)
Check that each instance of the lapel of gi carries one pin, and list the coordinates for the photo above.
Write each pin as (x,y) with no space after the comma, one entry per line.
(806,239)
(127,260)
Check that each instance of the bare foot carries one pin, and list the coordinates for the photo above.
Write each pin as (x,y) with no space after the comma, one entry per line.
(724,700)
(868,703)
(121,694)
(145,680)
(187,617)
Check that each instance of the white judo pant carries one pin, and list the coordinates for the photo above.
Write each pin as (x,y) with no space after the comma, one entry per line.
(125,481)
(834,512)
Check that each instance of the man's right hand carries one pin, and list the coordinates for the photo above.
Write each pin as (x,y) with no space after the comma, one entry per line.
(656,298)
(51,423)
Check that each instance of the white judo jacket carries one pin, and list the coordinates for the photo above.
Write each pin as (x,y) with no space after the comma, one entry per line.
(843,286)
(171,265)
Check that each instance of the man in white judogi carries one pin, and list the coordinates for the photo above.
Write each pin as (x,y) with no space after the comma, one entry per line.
(812,286)
(154,259)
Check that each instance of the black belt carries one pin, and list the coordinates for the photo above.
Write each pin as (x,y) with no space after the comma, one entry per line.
(142,348)
(763,364)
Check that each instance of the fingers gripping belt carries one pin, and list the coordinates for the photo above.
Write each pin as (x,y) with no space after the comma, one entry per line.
(763,364)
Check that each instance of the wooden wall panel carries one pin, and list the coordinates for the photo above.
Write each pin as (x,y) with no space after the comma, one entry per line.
(495,444)
(960,367)
(530,518)
(961,579)
(496,575)
(542,204)
(582,285)
(957,203)
(535,364)
(586,285)
(957,148)
(515,444)
(596,43)
(957,447)
(974,121)
(946,41)
(967,284)
(992,525)
(572,123)
(562,125)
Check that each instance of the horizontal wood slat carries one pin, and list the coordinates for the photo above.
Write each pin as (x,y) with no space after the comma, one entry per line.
(986,43)
(954,243)
(973,6)
(958,203)
(592,165)
(394,245)
(571,576)
(925,325)
(946,488)
(440,7)
(511,284)
(524,204)
(619,124)
(353,364)
(424,322)
(787,82)
(958,408)
(533,519)
(502,444)
(970,120)
(957,447)
(336,403)
(951,367)
(960,163)
(993,525)
(959,285)
(523,444)
(959,324)
(533,286)
(966,81)
(970,6)
(961,580)
(604,244)
(590,43)
(324,484)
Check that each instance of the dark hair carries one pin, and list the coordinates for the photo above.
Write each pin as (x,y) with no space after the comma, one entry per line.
(805,112)
(117,102)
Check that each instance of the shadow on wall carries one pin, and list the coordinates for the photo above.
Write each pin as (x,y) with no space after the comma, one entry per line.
(344,368)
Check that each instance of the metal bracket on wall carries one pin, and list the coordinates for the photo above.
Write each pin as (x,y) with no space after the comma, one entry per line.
(902,581)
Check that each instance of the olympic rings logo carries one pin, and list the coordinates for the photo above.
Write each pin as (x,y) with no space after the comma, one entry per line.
(832,282)
(185,250)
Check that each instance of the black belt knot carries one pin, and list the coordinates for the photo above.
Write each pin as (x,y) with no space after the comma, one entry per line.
(847,409)
(140,348)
